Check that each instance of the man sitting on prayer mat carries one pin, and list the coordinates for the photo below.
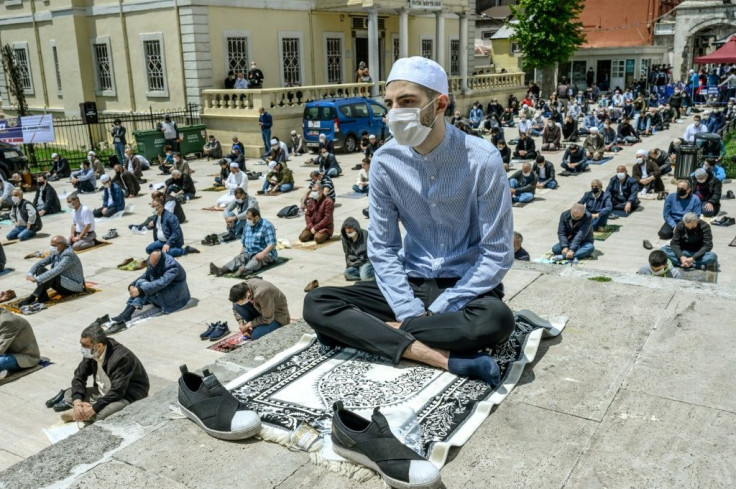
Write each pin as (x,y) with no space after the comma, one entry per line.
(259,307)
(65,273)
(83,224)
(18,346)
(598,203)
(575,234)
(624,192)
(573,161)
(235,213)
(545,171)
(259,247)
(167,233)
(437,294)
(691,244)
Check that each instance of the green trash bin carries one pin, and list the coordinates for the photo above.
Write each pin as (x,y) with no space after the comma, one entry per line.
(150,144)
(192,139)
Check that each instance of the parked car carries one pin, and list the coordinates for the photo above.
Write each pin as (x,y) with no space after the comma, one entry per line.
(12,160)
(343,121)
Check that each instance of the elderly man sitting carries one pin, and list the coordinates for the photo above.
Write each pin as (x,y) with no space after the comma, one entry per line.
(259,307)
(25,218)
(259,247)
(318,216)
(236,179)
(691,244)
(594,145)
(659,266)
(236,215)
(180,186)
(113,200)
(18,346)
(598,203)
(525,148)
(707,188)
(167,232)
(551,136)
(575,234)
(355,247)
(523,184)
(65,273)
(163,284)
(647,173)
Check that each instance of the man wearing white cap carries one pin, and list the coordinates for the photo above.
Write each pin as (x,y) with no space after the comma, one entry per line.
(60,167)
(297,143)
(113,200)
(236,179)
(647,173)
(437,295)
(594,144)
(95,164)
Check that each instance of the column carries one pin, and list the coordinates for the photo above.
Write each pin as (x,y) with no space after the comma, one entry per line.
(439,41)
(196,54)
(373,50)
(403,33)
(463,49)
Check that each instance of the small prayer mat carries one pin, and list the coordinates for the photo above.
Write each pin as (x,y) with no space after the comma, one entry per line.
(280,260)
(45,362)
(704,276)
(353,195)
(606,233)
(601,161)
(312,245)
(231,343)
(54,298)
(213,189)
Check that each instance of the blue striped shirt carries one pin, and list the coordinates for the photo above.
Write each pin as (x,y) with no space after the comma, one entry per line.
(256,238)
(455,206)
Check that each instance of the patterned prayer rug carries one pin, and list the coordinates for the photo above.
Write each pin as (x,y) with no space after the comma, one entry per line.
(54,298)
(280,260)
(705,276)
(606,233)
(231,343)
(312,245)
(214,188)
(299,386)
(547,258)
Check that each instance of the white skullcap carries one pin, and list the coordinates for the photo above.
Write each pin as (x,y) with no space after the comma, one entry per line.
(54,155)
(105,178)
(293,132)
(274,141)
(642,152)
(271,165)
(234,165)
(91,153)
(421,71)
(372,136)
(593,129)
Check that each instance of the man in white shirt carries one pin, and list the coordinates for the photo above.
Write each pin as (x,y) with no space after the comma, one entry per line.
(693,129)
(171,132)
(236,179)
(83,224)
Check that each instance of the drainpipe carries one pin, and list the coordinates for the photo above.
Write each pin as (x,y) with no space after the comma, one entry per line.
(126,47)
(181,58)
(311,53)
(40,54)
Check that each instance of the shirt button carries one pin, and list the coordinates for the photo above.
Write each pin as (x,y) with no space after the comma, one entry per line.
(434,204)
(431,177)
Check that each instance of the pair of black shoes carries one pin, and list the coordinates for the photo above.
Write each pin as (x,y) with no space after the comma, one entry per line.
(215,331)
(211,239)
(57,403)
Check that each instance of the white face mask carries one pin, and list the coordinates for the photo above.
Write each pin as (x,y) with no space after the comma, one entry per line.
(251,222)
(53,250)
(621,175)
(239,201)
(314,195)
(640,160)
(406,126)
(87,353)
(16,200)
(353,234)
(526,174)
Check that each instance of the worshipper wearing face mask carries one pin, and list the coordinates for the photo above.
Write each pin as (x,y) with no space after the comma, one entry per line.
(361,183)
(82,234)
(676,206)
(170,132)
(60,168)
(95,164)
(711,166)
(575,234)
(328,163)
(525,148)
(573,161)
(18,346)
(661,159)
(523,184)
(520,253)
(118,379)
(167,233)
(84,179)
(696,127)
(135,164)
(259,247)
(279,179)
(551,136)
(647,173)
(594,145)
(707,188)
(355,247)
(691,244)
(598,203)
(113,200)
(46,200)
(64,273)
(297,143)
(430,176)
(624,192)
(545,171)
(259,307)
(180,186)
(626,132)
(126,180)
(659,266)
(318,216)
(25,218)
(212,148)
(236,215)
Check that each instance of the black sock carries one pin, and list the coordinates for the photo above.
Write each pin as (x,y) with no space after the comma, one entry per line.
(126,315)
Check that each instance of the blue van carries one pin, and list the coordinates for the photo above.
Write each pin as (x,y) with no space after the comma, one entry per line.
(343,121)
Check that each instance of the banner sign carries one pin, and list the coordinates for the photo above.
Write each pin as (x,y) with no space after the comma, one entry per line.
(27,130)
(425,4)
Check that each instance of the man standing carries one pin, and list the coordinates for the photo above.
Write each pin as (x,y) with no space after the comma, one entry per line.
(240,82)
(112,198)
(65,274)
(430,176)
(118,139)
(18,346)
(25,218)
(255,76)
(259,307)
(265,121)
(676,206)
(83,224)
(170,132)
(575,234)
(259,247)
(589,77)
(46,201)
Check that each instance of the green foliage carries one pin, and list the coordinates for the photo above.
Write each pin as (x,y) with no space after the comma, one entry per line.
(600,278)
(15,84)
(728,165)
(549,31)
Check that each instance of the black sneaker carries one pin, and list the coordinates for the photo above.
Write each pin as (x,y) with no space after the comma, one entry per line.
(207,332)
(206,402)
(220,330)
(56,399)
(62,406)
(100,321)
(190,249)
(115,328)
(372,444)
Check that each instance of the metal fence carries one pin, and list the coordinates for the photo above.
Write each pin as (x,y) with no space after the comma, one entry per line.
(75,138)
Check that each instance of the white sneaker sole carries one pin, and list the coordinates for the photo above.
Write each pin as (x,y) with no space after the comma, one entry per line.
(222,435)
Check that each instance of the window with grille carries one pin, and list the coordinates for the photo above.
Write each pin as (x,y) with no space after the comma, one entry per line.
(154,66)
(290,60)
(618,67)
(24,67)
(454,57)
(104,67)
(237,54)
(57,68)
(334,60)
(427,48)
(396,48)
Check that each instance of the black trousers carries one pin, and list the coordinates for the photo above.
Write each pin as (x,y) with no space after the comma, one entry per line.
(41,292)
(356,316)
(666,231)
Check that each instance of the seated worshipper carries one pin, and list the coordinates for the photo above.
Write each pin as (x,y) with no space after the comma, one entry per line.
(6,199)
(624,192)
(46,201)
(84,179)
(665,115)
(371,147)
(711,165)
(525,148)
(126,180)
(167,233)
(236,215)
(693,129)
(691,244)
(170,204)
(95,164)
(325,143)
(647,173)
(570,129)
(707,188)
(167,161)
(361,183)
(626,132)
(180,164)
(134,164)
(676,206)
(520,253)
(163,284)
(712,148)
(297,143)
(112,198)
(575,234)
(328,164)
(60,168)
(574,160)
(610,138)
(259,307)
(433,276)
(327,187)
(545,171)
(212,148)
(276,153)
(18,346)
(83,224)
(355,247)
(589,121)
(507,118)
(236,179)
(180,186)
(523,184)
(25,218)
(475,115)
(598,203)
(538,125)
(318,216)
(652,122)
(551,136)
(259,247)
(496,135)
(236,157)
(238,144)
(224,173)
(659,266)
(65,274)
(525,125)
(275,141)
(280,179)
(505,152)
(594,145)
(661,159)
(118,379)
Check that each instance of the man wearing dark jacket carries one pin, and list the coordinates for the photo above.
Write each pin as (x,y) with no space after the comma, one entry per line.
(113,200)
(46,201)
(647,173)
(626,132)
(545,171)
(167,233)
(598,203)
(624,191)
(573,161)
(708,189)
(126,180)
(551,136)
(180,186)
(575,234)
(691,244)
(525,148)
(60,168)
(355,247)
(523,184)
(118,378)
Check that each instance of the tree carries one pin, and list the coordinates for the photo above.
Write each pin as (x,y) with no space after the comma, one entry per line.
(15,81)
(548,32)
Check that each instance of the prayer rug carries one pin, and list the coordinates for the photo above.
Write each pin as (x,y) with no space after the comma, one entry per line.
(547,258)
(280,260)
(276,194)
(44,254)
(213,208)
(54,298)
(312,245)
(542,191)
(601,161)
(298,387)
(45,362)
(606,233)
(128,209)
(705,276)
(149,311)
(6,271)
(353,195)
(133,266)
(231,343)
(213,189)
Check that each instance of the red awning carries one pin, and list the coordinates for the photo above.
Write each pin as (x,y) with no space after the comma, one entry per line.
(726,54)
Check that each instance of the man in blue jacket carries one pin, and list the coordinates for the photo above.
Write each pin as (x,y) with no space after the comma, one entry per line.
(167,233)
(624,191)
(676,206)
(598,203)
(113,200)
(575,233)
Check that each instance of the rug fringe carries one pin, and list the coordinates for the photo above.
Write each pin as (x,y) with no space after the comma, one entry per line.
(274,435)
(346,469)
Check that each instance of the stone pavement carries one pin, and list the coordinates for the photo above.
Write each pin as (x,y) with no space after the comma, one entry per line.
(636,392)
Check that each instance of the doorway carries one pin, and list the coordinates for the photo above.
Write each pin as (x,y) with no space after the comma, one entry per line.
(603,74)
(360,48)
